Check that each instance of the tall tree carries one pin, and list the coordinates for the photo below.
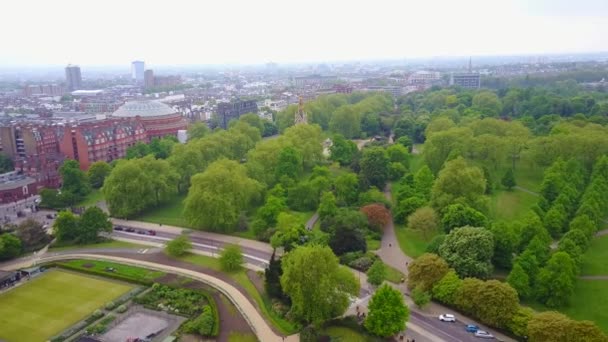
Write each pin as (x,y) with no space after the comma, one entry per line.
(424,220)
(218,195)
(327,206)
(323,291)
(387,312)
(289,164)
(66,227)
(374,167)
(459,183)
(508,180)
(342,150)
(92,222)
(74,180)
(10,246)
(556,280)
(98,171)
(347,189)
(377,215)
(459,215)
(469,251)
(425,271)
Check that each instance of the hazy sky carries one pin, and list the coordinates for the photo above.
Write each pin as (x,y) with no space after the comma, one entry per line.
(115,32)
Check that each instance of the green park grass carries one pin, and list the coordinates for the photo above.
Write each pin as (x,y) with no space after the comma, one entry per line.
(510,205)
(241,337)
(52,302)
(108,244)
(120,270)
(411,242)
(594,260)
(241,278)
(372,244)
(393,275)
(92,199)
(587,303)
(344,334)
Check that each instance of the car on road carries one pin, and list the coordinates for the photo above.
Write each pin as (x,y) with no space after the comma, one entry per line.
(151,232)
(447,318)
(483,334)
(50,216)
(118,228)
(471,328)
(130,230)
(141,232)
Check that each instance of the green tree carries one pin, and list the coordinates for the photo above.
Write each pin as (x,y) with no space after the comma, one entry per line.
(161,147)
(92,222)
(327,206)
(323,291)
(32,234)
(74,180)
(66,227)
(556,280)
(519,280)
(552,326)
(304,196)
(578,237)
(398,154)
(505,244)
(508,180)
(519,321)
(374,167)
(420,297)
(10,246)
(139,150)
(458,215)
(197,130)
(342,150)
(347,189)
(289,233)
(425,271)
(445,290)
(346,231)
(424,220)
(6,163)
(179,246)
(98,171)
(469,251)
(423,182)
(459,183)
(387,312)
(407,207)
(487,103)
(218,195)
(498,303)
(376,273)
(231,258)
(272,277)
(346,121)
(289,164)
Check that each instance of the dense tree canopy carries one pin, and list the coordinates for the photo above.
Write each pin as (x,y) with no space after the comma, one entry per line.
(469,251)
(387,312)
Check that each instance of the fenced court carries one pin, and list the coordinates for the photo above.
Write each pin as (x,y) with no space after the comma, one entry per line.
(46,305)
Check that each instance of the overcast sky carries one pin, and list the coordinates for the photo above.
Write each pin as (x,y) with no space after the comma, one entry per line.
(115,32)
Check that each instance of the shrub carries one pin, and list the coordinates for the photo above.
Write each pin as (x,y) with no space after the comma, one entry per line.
(362,264)
(178,246)
(309,334)
(231,258)
(110,305)
(121,309)
(420,297)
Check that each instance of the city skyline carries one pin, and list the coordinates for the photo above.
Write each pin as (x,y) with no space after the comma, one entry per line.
(238,32)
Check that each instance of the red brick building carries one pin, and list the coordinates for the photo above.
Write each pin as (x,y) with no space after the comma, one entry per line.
(15,187)
(158,119)
(104,140)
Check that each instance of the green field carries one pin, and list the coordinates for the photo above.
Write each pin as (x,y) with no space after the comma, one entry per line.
(594,260)
(587,303)
(52,302)
(120,270)
(242,337)
(344,334)
(108,244)
(511,205)
(170,213)
(91,199)
(411,242)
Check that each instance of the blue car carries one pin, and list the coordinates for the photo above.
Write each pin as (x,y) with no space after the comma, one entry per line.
(471,328)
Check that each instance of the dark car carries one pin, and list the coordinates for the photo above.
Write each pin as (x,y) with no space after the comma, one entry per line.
(130,230)
(50,216)
(119,228)
(141,232)
(151,232)
(471,328)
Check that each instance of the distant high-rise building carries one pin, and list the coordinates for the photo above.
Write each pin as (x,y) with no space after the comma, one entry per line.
(227,111)
(73,77)
(149,78)
(469,80)
(137,71)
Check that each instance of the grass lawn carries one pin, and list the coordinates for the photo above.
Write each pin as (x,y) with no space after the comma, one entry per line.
(91,199)
(108,244)
(241,337)
(594,260)
(393,275)
(588,302)
(510,205)
(50,303)
(171,214)
(241,278)
(344,334)
(372,244)
(411,242)
(127,271)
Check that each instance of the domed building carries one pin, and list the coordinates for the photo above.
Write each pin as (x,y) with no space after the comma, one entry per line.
(157,118)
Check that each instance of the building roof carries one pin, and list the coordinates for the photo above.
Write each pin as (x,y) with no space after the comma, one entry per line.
(143,109)
(15,182)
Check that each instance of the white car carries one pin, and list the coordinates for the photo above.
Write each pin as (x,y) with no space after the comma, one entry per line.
(447,318)
(483,334)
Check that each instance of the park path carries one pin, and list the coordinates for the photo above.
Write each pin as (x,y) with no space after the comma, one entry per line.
(312,221)
(255,320)
(526,190)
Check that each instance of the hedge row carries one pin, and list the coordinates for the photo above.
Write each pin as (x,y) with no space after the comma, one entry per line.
(115,276)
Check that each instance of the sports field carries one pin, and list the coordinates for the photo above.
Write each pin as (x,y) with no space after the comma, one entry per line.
(50,303)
